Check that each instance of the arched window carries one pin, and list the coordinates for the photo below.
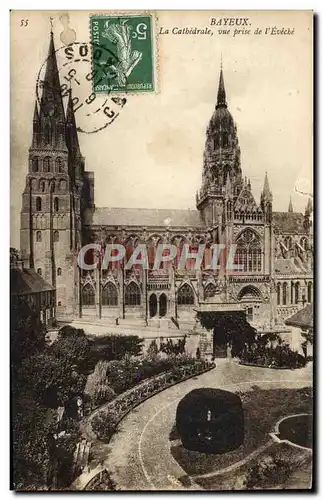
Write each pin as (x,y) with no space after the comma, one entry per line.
(210,291)
(278,293)
(288,242)
(132,295)
(59,165)
(304,243)
(38,236)
(229,208)
(59,271)
(284,294)
(46,164)
(56,236)
(185,295)
(292,292)
(56,204)
(217,141)
(248,254)
(42,186)
(109,295)
(88,295)
(309,292)
(62,185)
(47,133)
(296,293)
(38,204)
(39,271)
(35,164)
(225,141)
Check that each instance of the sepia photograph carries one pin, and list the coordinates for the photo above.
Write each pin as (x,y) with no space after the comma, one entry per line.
(161,250)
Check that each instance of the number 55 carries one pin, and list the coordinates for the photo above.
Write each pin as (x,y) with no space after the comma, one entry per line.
(24,22)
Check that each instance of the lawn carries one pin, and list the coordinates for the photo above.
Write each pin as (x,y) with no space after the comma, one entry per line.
(262,409)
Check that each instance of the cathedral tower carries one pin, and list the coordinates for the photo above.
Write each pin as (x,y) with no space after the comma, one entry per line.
(221,165)
(51,214)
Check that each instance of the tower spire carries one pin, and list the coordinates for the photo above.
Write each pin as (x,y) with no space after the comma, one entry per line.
(71,130)
(266,193)
(221,101)
(290,206)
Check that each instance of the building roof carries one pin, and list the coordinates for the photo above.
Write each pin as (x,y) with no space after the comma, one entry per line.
(289,222)
(24,281)
(289,266)
(303,318)
(144,217)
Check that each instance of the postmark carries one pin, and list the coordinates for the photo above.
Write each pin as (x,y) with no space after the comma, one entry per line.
(130,37)
(82,66)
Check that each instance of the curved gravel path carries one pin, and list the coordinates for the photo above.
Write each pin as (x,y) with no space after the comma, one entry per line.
(139,455)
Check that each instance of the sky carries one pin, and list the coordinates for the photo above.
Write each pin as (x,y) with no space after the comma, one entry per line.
(151,155)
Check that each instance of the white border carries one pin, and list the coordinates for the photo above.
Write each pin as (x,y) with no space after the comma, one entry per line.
(102,5)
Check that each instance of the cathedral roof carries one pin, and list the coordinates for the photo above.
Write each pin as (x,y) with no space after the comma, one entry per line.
(289,222)
(24,281)
(289,266)
(143,217)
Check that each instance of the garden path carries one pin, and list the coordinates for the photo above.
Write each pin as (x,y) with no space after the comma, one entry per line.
(139,455)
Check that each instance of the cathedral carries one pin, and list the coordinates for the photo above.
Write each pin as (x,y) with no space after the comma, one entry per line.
(59,216)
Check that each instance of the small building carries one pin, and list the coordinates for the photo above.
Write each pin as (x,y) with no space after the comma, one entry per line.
(302,323)
(27,288)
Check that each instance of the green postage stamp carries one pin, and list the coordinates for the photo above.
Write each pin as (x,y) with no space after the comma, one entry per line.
(122,53)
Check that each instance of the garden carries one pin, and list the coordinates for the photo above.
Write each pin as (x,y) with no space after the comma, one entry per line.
(272,466)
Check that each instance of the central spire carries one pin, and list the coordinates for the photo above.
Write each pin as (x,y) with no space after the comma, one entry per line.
(221,101)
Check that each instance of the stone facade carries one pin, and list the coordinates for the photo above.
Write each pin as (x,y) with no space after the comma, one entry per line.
(58,216)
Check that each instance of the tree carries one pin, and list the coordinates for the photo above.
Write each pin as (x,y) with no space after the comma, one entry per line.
(52,380)
(152,350)
(72,345)
(113,347)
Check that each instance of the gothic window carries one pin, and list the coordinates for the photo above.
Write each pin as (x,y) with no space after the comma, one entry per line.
(56,236)
(248,254)
(59,271)
(35,164)
(217,141)
(88,295)
(42,186)
(225,141)
(210,291)
(38,204)
(47,133)
(292,292)
(56,204)
(62,185)
(304,243)
(309,292)
(109,295)
(296,293)
(185,295)
(284,294)
(278,293)
(132,295)
(288,242)
(59,165)
(38,236)
(229,207)
(39,271)
(46,164)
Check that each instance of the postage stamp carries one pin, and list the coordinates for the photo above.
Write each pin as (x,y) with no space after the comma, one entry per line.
(130,38)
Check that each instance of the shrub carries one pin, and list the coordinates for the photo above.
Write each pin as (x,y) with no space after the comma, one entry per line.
(104,423)
(268,472)
(280,356)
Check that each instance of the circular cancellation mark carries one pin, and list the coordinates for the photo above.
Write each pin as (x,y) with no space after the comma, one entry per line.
(93,112)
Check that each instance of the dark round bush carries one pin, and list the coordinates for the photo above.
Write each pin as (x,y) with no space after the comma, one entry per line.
(210,421)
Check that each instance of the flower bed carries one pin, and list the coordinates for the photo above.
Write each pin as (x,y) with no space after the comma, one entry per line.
(105,421)
(279,357)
